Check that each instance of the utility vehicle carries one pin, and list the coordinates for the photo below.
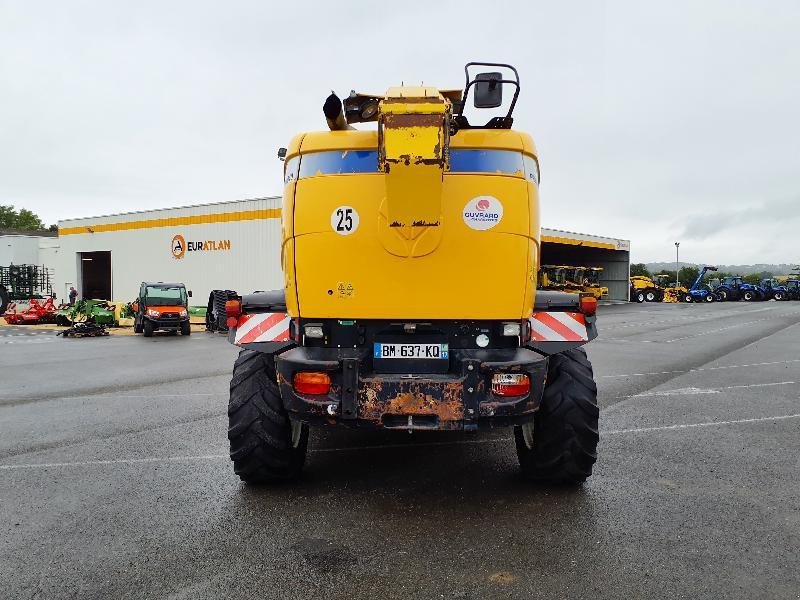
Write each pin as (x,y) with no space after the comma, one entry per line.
(161,307)
(410,255)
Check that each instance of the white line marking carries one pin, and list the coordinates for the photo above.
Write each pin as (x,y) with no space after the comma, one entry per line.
(715,390)
(762,364)
(119,461)
(134,461)
(694,425)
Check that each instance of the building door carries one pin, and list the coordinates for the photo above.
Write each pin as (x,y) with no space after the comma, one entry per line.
(96,275)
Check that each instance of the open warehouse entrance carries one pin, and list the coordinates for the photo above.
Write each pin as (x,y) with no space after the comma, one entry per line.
(581,250)
(95,269)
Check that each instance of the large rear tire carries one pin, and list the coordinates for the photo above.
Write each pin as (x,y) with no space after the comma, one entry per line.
(560,445)
(639,297)
(749,296)
(650,296)
(722,295)
(266,445)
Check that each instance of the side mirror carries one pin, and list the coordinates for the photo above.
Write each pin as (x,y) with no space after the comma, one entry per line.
(189,293)
(488,90)
(135,306)
(281,153)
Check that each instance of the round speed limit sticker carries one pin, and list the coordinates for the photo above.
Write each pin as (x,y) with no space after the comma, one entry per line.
(344,220)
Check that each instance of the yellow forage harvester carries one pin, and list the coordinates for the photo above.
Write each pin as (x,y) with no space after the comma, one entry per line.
(410,251)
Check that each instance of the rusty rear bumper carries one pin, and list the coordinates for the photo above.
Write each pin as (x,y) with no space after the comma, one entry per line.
(459,399)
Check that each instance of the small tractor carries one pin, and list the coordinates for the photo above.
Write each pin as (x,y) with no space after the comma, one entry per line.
(644,289)
(733,288)
(793,289)
(161,307)
(410,254)
(700,292)
(771,288)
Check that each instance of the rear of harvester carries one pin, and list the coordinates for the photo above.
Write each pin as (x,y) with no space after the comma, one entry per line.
(410,252)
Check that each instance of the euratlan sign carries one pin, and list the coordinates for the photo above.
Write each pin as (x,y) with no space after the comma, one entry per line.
(180,246)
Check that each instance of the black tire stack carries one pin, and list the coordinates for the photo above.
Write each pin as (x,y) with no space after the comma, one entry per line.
(216,319)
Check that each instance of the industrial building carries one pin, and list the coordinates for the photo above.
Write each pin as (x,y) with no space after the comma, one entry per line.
(235,245)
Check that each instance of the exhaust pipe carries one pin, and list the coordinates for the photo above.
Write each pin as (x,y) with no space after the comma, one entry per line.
(334,113)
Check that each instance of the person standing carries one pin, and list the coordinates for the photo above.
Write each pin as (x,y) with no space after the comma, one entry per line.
(73,295)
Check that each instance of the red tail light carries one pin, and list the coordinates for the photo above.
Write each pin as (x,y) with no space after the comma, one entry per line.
(588,305)
(510,384)
(233,308)
(312,383)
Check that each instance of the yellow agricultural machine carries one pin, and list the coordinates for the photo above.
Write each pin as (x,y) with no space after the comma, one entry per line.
(644,289)
(410,255)
(585,280)
(552,277)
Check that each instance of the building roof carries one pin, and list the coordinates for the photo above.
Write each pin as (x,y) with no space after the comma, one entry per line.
(43,233)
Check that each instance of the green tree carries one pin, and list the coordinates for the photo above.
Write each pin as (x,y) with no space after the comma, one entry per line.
(22,219)
(688,275)
(754,278)
(639,269)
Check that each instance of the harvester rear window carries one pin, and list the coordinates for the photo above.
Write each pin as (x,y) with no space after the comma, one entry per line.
(338,162)
(506,162)
(345,162)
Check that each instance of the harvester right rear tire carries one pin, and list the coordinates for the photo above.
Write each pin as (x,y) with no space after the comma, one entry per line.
(147,328)
(560,445)
(266,445)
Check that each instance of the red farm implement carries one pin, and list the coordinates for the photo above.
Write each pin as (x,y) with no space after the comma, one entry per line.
(38,311)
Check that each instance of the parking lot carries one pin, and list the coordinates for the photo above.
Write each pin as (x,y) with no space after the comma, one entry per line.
(115,480)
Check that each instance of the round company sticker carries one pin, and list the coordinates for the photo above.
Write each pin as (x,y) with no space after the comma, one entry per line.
(483,212)
(344,220)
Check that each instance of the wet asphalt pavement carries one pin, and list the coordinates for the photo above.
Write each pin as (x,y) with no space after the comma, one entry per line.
(115,482)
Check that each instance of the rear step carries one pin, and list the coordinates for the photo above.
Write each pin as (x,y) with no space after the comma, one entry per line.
(410,422)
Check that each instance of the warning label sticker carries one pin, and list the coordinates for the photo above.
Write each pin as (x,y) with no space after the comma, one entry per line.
(483,212)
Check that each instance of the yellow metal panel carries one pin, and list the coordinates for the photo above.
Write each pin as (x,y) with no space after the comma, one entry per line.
(320,141)
(354,276)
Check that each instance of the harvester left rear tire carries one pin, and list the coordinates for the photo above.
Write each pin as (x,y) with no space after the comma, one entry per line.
(560,446)
(266,445)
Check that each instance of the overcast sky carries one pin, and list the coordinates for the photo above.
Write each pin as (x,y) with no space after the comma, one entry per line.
(654,122)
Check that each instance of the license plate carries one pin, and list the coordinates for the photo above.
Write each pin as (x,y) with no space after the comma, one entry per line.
(422,351)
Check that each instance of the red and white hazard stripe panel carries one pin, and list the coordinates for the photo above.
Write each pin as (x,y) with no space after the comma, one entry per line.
(558,327)
(262,327)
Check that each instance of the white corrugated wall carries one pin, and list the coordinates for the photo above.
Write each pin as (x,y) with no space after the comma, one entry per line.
(141,248)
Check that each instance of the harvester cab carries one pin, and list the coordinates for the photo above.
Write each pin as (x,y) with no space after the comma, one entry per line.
(552,277)
(410,253)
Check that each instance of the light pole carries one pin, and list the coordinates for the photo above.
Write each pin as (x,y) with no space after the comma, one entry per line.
(677,266)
